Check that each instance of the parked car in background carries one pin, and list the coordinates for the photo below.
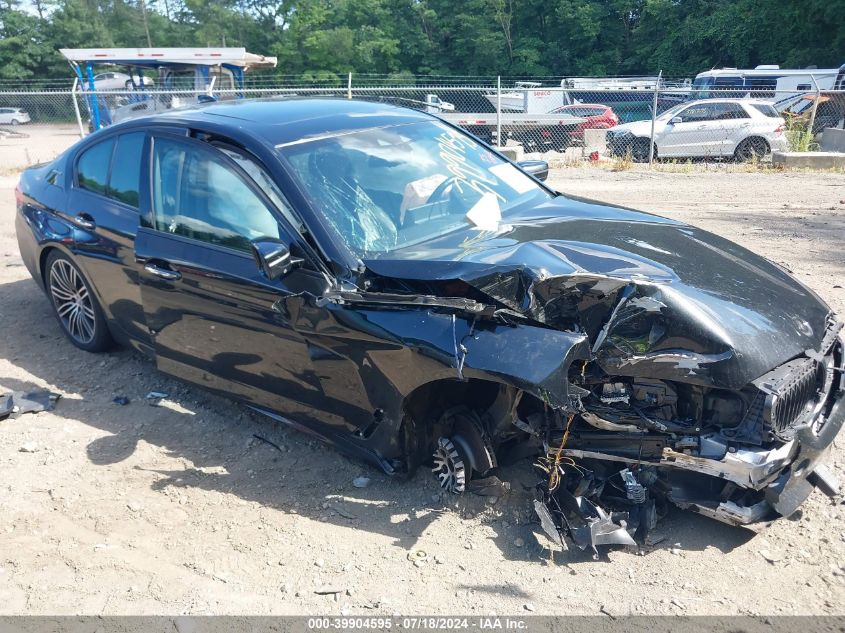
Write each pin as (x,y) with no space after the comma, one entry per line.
(13,116)
(120,81)
(596,117)
(711,128)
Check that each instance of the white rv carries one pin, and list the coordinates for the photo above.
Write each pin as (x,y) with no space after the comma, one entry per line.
(763,82)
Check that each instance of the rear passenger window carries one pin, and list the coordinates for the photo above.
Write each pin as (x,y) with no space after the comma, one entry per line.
(766,109)
(93,166)
(126,171)
(731,111)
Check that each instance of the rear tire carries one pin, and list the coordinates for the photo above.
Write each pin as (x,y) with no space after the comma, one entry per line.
(15,122)
(752,148)
(74,304)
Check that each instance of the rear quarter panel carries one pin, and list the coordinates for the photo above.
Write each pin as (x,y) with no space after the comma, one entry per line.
(38,224)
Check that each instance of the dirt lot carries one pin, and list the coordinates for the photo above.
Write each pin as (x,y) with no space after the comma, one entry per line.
(179,509)
(25,145)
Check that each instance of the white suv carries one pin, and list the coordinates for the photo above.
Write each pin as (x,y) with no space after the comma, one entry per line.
(13,116)
(710,128)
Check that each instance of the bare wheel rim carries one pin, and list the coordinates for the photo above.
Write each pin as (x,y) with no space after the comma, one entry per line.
(72,301)
(449,467)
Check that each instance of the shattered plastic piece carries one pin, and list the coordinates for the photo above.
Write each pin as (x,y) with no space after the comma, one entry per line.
(548,523)
(18,403)
(361,482)
(121,400)
(599,528)
(154,397)
(6,405)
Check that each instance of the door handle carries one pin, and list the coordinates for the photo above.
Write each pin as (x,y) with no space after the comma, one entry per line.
(85,221)
(164,273)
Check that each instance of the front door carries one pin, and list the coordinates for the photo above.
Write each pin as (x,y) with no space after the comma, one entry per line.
(696,134)
(208,306)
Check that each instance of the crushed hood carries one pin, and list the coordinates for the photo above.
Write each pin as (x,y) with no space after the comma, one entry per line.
(656,297)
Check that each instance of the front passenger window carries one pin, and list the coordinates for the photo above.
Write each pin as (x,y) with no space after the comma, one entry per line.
(196,194)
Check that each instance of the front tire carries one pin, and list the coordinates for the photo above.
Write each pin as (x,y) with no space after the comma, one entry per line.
(752,148)
(74,304)
(639,150)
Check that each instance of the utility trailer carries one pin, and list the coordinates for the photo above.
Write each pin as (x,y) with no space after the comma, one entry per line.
(184,75)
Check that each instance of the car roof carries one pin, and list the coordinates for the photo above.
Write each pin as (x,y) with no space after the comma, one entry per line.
(284,120)
(729,100)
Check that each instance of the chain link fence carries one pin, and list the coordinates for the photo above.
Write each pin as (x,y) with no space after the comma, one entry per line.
(558,119)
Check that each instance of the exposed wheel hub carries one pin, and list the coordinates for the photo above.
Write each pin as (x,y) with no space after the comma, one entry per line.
(450,466)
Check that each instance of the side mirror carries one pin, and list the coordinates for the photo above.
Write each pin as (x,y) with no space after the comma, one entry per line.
(537,168)
(273,257)
(676,119)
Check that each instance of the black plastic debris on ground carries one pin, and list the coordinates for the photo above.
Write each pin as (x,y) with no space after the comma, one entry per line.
(19,402)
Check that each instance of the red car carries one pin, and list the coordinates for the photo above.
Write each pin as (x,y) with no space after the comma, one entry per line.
(596,117)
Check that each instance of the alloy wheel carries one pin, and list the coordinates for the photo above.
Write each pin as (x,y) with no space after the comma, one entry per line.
(73,301)
(449,467)
(752,149)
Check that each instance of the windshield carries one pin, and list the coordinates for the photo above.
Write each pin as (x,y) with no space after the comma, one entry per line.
(385,188)
(673,111)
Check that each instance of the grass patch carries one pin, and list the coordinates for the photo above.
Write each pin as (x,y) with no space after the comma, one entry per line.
(622,163)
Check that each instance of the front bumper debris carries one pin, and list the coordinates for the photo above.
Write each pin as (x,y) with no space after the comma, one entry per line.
(633,495)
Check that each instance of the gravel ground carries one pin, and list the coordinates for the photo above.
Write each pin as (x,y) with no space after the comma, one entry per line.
(25,145)
(179,509)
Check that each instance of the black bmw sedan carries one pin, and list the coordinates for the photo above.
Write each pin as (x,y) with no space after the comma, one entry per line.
(379,278)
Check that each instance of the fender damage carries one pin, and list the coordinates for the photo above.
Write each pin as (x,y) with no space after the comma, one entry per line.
(713,387)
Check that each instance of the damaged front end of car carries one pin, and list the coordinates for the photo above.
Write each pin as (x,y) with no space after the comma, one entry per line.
(742,457)
(662,403)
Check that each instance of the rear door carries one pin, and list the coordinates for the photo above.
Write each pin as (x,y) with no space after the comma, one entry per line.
(103,207)
(208,306)
(735,124)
